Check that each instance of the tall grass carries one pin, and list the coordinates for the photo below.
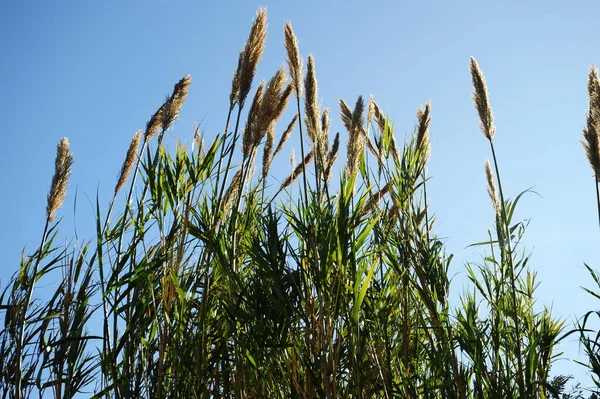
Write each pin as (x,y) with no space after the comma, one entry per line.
(213,281)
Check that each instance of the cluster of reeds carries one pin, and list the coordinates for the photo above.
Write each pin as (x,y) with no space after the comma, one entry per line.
(210,283)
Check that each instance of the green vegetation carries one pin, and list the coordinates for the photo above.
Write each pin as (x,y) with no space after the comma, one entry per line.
(210,282)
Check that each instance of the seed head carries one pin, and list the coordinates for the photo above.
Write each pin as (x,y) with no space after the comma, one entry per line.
(60,180)
(482,104)
(286,134)
(250,56)
(491,186)
(423,121)
(294,59)
(129,161)
(591,133)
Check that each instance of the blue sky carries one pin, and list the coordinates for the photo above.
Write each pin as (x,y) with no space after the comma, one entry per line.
(95,71)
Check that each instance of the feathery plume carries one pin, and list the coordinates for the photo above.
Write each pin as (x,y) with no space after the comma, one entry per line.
(491,186)
(268,151)
(60,180)
(199,141)
(332,156)
(325,121)
(129,161)
(284,98)
(355,144)
(311,106)
(293,159)
(286,134)
(375,198)
(169,110)
(253,120)
(346,115)
(482,104)
(250,56)
(371,112)
(423,121)
(235,83)
(591,133)
(175,102)
(294,59)
(299,169)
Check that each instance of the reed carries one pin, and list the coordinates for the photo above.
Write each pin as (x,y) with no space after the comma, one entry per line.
(210,283)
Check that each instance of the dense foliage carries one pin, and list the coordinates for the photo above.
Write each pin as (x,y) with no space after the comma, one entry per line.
(215,281)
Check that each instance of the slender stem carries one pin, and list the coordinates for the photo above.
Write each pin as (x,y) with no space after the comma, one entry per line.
(598,198)
(511,271)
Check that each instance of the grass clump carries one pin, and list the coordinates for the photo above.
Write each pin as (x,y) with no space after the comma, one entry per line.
(210,283)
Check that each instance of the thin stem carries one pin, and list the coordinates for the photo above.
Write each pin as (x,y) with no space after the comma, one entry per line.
(511,271)
(598,198)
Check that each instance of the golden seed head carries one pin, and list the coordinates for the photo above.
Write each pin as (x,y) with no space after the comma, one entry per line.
(273,103)
(235,82)
(423,121)
(375,198)
(311,105)
(491,186)
(591,133)
(286,134)
(294,59)
(299,169)
(332,156)
(268,151)
(169,110)
(355,144)
(482,104)
(251,55)
(175,102)
(60,180)
(253,120)
(371,112)
(129,161)
(346,115)
(293,159)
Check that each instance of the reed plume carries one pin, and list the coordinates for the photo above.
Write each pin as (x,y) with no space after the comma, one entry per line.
(253,120)
(376,197)
(169,110)
(591,133)
(60,180)
(249,58)
(299,169)
(294,59)
(482,104)
(129,161)
(491,186)
(199,142)
(332,157)
(423,141)
(286,134)
(355,139)
(311,106)
(346,115)
(268,151)
(173,105)
(371,110)
(325,121)
(293,159)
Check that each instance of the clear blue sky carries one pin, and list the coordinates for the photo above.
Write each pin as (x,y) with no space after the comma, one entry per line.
(94,71)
